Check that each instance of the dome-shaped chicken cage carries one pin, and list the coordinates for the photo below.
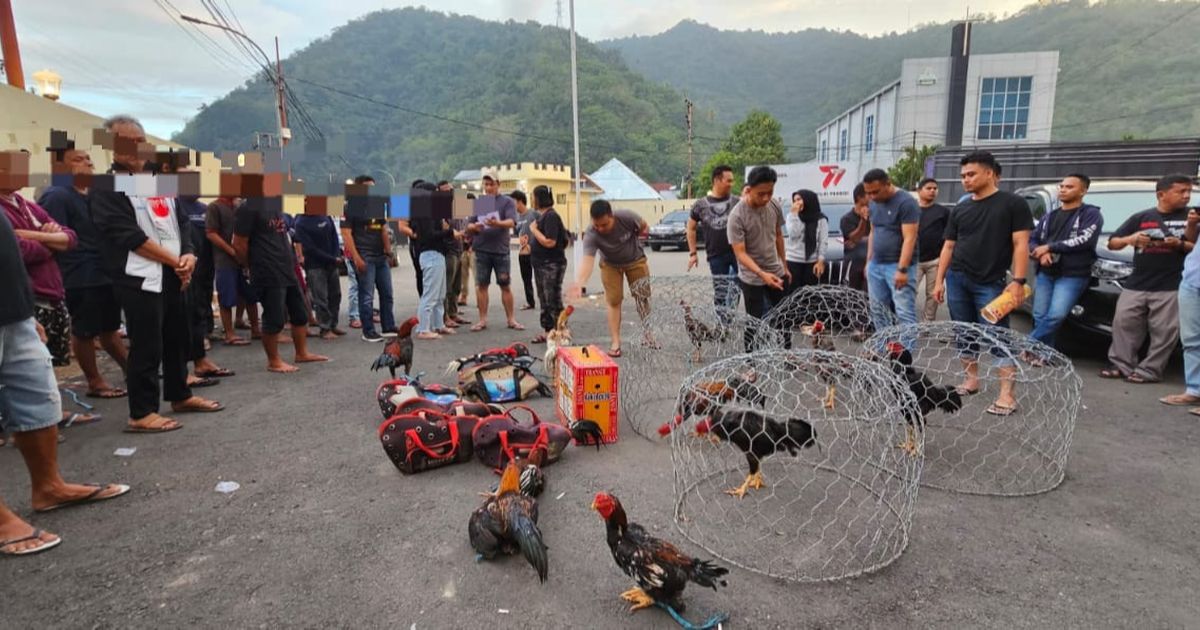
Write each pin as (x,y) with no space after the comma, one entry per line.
(833,496)
(696,288)
(978,441)
(845,316)
(672,342)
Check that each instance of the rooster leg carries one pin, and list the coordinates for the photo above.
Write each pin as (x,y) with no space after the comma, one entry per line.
(830,396)
(755,481)
(638,598)
(909,445)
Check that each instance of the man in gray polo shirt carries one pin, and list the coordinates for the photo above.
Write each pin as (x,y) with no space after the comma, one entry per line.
(615,236)
(755,232)
(492,228)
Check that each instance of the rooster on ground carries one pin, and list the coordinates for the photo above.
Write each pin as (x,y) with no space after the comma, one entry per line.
(560,337)
(586,432)
(399,350)
(928,395)
(660,570)
(698,332)
(532,480)
(507,523)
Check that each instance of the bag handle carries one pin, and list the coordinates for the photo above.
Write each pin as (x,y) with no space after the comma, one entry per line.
(532,414)
(415,436)
(541,441)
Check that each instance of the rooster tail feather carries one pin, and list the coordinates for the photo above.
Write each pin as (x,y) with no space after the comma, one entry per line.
(382,361)
(529,539)
(705,573)
(800,435)
(947,399)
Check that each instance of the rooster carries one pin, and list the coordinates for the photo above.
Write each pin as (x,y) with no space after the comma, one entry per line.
(698,332)
(928,395)
(586,432)
(755,435)
(399,351)
(741,388)
(560,337)
(818,340)
(507,523)
(658,568)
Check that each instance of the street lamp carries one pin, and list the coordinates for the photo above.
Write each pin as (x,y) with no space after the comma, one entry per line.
(391,178)
(49,84)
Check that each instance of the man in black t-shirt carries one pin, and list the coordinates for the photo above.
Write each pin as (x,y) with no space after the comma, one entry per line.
(1148,303)
(711,214)
(856,229)
(931,235)
(261,241)
(984,236)
(547,245)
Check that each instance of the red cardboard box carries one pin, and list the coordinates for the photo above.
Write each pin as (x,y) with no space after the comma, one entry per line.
(587,389)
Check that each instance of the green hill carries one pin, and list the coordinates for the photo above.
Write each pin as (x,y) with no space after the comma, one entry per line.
(1125,67)
(499,78)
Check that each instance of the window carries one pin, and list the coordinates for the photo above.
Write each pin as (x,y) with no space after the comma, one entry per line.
(1004,108)
(824,150)
(869,141)
(561,200)
(844,145)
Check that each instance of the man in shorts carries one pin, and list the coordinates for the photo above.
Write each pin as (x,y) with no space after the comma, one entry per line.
(232,288)
(492,228)
(615,236)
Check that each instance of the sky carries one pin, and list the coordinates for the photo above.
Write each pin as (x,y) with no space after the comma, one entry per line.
(131,56)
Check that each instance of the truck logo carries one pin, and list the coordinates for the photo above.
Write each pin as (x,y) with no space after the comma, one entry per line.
(833,175)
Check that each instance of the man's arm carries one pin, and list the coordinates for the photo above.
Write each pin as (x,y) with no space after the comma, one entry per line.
(583,275)
(32,251)
(352,250)
(1020,262)
(1089,235)
(939,285)
(541,238)
(214,237)
(241,249)
(53,241)
(691,236)
(909,232)
(851,240)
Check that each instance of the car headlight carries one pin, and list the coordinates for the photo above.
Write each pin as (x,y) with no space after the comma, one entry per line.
(1111,270)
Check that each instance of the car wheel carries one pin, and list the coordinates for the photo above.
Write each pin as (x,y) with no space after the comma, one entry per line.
(656,247)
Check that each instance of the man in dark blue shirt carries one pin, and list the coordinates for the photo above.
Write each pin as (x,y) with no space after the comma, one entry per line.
(318,239)
(95,314)
(891,248)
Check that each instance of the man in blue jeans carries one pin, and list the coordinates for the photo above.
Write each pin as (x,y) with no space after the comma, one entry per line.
(984,236)
(891,249)
(1189,321)
(368,244)
(1064,246)
(711,214)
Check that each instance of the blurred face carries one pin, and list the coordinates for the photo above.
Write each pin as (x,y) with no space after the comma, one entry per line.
(1070,190)
(928,193)
(723,184)
(798,202)
(14,171)
(445,187)
(977,177)
(491,187)
(760,194)
(1177,197)
(130,147)
(861,205)
(878,191)
(521,207)
(604,224)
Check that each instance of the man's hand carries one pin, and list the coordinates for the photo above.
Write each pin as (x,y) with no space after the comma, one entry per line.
(473,228)
(575,291)
(1193,217)
(1017,290)
(863,212)
(1046,260)
(186,264)
(772,280)
(1040,251)
(392,262)
(1173,242)
(693,260)
(901,278)
(819,268)
(41,332)
(360,264)
(339,262)
(787,275)
(939,293)
(51,228)
(1141,240)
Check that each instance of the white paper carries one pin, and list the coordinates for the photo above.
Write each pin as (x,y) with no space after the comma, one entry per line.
(227,487)
(125,452)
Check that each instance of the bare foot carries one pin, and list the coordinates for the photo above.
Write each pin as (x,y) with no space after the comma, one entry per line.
(282,367)
(152,423)
(18,530)
(329,335)
(310,358)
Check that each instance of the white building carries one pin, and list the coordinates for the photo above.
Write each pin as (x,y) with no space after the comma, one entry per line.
(961,100)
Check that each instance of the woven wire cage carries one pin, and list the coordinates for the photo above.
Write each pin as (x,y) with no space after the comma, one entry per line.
(978,449)
(676,339)
(848,316)
(836,499)
(697,288)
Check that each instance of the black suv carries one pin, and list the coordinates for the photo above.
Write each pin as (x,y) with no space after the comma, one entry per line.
(671,231)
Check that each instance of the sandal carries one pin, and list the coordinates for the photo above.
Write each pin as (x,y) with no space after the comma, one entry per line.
(204,381)
(428,336)
(159,425)
(539,339)
(1138,379)
(963,391)
(79,418)
(218,373)
(36,535)
(1111,372)
(479,326)
(91,498)
(111,392)
(996,409)
(199,405)
(516,326)
(1179,400)
(615,354)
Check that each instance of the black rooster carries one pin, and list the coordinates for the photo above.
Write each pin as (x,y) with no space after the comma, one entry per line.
(928,395)
(507,522)
(755,435)
(660,570)
(399,351)
(586,432)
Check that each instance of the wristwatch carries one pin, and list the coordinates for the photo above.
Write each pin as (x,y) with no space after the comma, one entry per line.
(1021,281)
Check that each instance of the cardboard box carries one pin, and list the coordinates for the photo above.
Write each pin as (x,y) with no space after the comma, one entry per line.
(587,389)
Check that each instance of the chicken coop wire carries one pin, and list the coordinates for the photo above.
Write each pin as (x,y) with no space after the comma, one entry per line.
(667,349)
(849,315)
(697,289)
(836,508)
(975,452)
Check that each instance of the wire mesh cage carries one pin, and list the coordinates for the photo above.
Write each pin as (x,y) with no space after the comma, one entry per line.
(675,340)
(697,289)
(1009,432)
(846,316)
(786,464)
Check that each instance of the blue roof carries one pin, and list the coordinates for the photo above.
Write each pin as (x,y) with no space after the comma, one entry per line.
(620,183)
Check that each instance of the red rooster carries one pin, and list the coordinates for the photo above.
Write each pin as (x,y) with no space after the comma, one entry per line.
(507,522)
(399,351)
(660,570)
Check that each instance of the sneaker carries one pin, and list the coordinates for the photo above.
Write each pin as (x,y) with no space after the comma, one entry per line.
(372,337)
(390,332)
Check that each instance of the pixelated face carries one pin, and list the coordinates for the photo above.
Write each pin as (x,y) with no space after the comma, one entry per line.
(976,177)
(928,192)
(447,187)
(491,186)
(130,147)
(760,194)
(14,171)
(604,224)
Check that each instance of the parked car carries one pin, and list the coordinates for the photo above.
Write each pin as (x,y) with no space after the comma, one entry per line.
(1117,200)
(671,231)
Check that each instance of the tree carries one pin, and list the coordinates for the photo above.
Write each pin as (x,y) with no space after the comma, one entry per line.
(758,139)
(910,168)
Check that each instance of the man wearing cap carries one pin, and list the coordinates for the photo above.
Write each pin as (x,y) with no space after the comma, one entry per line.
(494,218)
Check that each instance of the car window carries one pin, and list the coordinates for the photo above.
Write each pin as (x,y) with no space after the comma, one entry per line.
(679,216)
(1037,204)
(1118,205)
(835,212)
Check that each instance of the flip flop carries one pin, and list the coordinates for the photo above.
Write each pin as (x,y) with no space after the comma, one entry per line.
(80,419)
(997,409)
(1138,379)
(94,497)
(162,428)
(478,327)
(198,408)
(1179,400)
(204,382)
(516,326)
(1111,373)
(37,535)
(963,391)
(240,341)
(111,392)
(539,339)
(218,373)
(616,354)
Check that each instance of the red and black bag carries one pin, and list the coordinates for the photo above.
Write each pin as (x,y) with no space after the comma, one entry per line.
(501,437)
(426,440)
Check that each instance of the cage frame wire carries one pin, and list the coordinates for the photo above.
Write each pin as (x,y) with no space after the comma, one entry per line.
(832,304)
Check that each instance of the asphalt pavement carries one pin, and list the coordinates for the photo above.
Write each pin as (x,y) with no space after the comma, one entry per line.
(325,532)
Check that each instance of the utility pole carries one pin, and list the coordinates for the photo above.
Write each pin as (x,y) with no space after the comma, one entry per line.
(575,128)
(691,165)
(558,13)
(285,134)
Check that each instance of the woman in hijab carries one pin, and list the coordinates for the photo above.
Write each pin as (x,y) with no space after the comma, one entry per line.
(807,235)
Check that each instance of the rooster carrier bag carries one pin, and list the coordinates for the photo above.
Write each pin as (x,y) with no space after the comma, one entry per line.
(390,394)
(426,440)
(499,438)
(500,378)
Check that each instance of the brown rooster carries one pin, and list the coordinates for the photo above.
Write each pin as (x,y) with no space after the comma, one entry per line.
(829,374)
(560,337)
(399,351)
(698,332)
(507,523)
